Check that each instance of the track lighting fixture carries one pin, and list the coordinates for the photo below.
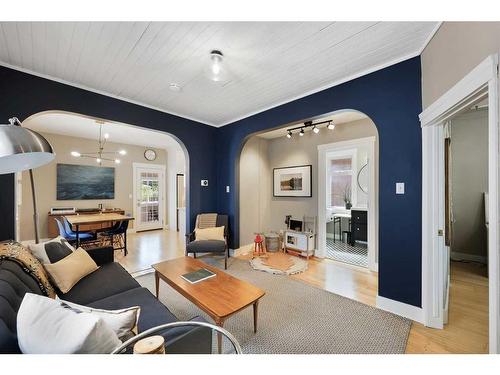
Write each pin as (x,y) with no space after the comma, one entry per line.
(309,124)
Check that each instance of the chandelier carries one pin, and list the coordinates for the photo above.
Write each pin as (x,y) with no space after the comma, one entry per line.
(101,155)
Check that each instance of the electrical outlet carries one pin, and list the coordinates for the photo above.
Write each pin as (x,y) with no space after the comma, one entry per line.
(400,187)
(227,189)
(204,182)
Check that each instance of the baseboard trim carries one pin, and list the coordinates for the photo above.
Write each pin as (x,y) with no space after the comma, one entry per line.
(399,308)
(469,257)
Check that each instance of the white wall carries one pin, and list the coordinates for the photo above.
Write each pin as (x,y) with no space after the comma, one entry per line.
(176,164)
(469,175)
(255,189)
(259,210)
(456,49)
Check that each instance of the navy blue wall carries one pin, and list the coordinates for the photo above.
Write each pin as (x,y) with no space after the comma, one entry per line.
(392,99)
(23,95)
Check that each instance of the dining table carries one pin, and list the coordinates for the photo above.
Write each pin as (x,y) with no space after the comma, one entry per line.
(84,219)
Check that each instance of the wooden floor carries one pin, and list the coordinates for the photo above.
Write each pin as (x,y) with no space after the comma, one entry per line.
(147,248)
(466,332)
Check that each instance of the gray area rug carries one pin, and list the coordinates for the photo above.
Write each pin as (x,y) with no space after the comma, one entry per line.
(295,318)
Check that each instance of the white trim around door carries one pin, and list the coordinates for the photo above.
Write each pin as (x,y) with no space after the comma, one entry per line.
(346,146)
(480,83)
(161,169)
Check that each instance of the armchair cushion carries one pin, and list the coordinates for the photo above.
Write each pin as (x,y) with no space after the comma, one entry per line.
(206,246)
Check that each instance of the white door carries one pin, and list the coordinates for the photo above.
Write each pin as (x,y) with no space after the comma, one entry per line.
(149,196)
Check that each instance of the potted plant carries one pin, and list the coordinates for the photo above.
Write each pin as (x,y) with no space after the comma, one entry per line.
(347,196)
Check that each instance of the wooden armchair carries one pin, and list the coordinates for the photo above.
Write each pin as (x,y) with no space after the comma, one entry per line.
(209,246)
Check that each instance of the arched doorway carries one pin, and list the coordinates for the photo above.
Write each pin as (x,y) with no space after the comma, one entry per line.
(261,211)
(72,133)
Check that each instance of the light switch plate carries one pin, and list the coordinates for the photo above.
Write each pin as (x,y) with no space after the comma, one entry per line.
(227,189)
(400,187)
(204,182)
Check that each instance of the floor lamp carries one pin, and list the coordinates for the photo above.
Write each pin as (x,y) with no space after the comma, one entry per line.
(23,149)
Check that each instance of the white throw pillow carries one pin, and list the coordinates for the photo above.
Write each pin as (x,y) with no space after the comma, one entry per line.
(48,326)
(38,249)
(123,322)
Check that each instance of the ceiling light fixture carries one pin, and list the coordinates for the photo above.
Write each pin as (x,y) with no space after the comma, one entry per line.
(217,71)
(100,155)
(309,124)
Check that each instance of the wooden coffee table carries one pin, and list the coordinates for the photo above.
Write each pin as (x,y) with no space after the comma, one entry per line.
(220,297)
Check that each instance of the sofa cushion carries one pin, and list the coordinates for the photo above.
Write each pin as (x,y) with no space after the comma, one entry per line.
(153,312)
(109,279)
(14,284)
(206,246)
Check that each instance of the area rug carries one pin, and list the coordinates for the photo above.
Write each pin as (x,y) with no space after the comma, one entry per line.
(279,264)
(296,318)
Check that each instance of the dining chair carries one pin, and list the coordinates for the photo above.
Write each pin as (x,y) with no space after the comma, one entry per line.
(66,232)
(117,236)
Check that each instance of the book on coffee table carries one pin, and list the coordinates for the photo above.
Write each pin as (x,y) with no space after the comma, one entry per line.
(198,275)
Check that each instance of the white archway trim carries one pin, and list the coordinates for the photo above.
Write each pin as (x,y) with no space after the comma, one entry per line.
(323,151)
(482,81)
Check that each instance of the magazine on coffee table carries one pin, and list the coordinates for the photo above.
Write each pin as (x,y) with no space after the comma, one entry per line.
(198,275)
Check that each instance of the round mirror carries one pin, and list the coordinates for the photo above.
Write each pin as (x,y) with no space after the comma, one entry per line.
(363,178)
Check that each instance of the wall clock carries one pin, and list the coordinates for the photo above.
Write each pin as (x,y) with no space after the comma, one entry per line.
(150,154)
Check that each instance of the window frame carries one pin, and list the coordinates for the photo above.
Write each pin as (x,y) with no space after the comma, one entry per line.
(337,155)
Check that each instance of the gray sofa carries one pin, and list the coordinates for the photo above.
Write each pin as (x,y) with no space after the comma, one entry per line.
(110,287)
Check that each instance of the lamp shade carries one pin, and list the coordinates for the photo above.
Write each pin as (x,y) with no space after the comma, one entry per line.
(22,149)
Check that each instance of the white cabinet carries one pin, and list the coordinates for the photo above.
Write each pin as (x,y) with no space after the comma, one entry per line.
(299,242)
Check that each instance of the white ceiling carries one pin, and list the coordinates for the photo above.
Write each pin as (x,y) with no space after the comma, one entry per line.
(269,63)
(337,118)
(85,127)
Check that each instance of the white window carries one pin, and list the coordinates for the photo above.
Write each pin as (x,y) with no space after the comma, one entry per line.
(342,177)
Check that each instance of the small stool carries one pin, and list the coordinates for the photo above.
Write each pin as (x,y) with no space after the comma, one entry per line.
(150,345)
(258,246)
